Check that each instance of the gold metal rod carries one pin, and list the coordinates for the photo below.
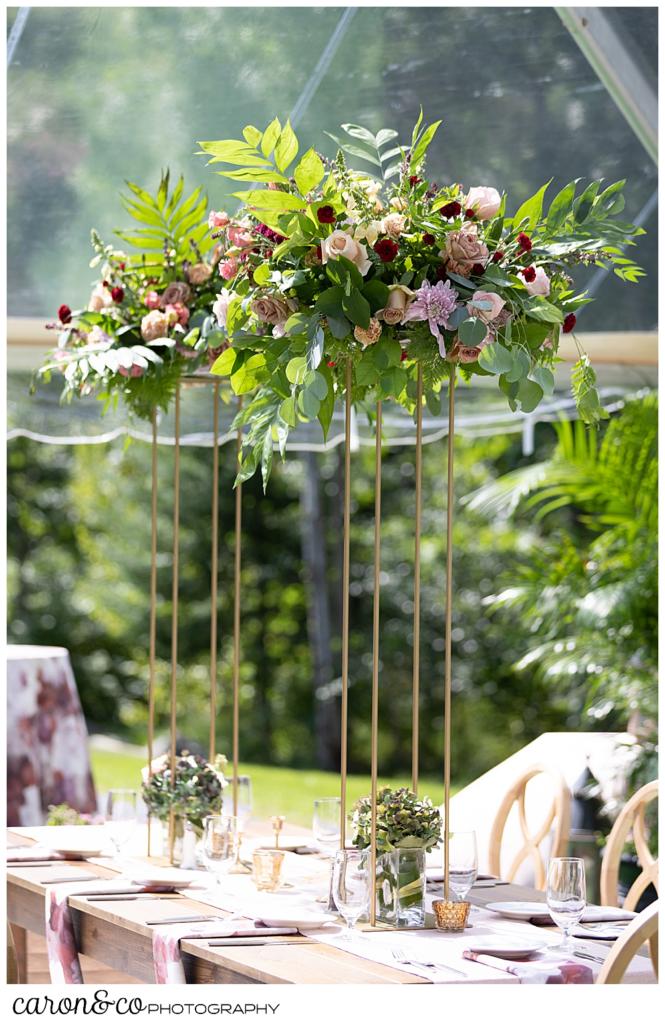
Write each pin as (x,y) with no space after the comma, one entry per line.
(375,660)
(236,625)
(214,517)
(153,609)
(346,544)
(447,694)
(174,609)
(415,701)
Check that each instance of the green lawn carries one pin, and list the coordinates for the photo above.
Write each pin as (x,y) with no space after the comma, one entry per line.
(286,791)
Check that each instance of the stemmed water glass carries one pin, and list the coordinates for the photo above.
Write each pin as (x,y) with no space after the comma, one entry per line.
(325,823)
(220,840)
(462,862)
(351,886)
(566,896)
(121,816)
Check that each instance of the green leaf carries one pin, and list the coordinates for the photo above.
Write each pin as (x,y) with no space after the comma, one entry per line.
(496,359)
(356,308)
(529,395)
(472,331)
(582,206)
(259,174)
(393,381)
(233,151)
(270,137)
(308,172)
(317,384)
(328,402)
(266,458)
(385,135)
(611,201)
(531,209)
(329,302)
(262,274)
(376,293)
(287,411)
(315,342)
(308,404)
(544,377)
(274,201)
(418,153)
(355,150)
(386,352)
(538,308)
(224,364)
(339,326)
(287,147)
(296,369)
(561,206)
(252,373)
(252,135)
(520,367)
(358,132)
(367,373)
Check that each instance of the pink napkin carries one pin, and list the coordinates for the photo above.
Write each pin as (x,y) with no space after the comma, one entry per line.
(166,943)
(537,972)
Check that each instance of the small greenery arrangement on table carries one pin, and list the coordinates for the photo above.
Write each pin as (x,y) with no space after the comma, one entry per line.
(404,821)
(196,793)
(148,320)
(386,274)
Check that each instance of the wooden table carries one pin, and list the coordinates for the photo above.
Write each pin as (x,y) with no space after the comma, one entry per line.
(116,934)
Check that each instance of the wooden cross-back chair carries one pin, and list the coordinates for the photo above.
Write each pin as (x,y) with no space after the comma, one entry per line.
(632,819)
(644,928)
(557,819)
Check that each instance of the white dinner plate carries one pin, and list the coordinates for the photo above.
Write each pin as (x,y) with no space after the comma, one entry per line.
(172,878)
(507,948)
(80,852)
(518,911)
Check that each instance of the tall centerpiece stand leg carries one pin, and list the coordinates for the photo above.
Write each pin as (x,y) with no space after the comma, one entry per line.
(153,612)
(415,700)
(214,575)
(174,615)
(375,662)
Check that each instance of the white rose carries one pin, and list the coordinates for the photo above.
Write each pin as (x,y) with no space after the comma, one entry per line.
(484,201)
(394,224)
(341,243)
(489,299)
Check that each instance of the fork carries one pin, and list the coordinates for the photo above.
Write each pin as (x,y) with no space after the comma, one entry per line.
(584,955)
(398,955)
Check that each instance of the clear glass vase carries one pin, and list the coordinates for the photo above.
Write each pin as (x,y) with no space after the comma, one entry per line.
(400,888)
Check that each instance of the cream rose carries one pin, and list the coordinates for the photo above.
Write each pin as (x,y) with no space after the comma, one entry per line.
(100,299)
(199,273)
(484,201)
(496,304)
(155,325)
(394,224)
(463,250)
(540,284)
(399,300)
(369,231)
(341,243)
(271,309)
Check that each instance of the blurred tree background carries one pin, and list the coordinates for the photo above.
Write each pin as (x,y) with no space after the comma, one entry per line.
(79,541)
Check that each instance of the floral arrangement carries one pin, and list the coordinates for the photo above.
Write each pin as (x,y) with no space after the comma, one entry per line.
(63,814)
(197,790)
(147,322)
(332,274)
(404,821)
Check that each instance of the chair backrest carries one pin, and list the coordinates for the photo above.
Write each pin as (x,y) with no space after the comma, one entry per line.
(631,819)
(556,819)
(12,962)
(644,928)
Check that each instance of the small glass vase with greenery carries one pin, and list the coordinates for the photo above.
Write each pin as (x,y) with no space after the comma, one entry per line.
(407,827)
(196,792)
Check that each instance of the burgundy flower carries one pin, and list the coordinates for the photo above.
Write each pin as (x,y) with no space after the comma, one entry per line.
(414,180)
(117,294)
(441,274)
(451,210)
(569,323)
(272,236)
(529,273)
(498,256)
(429,239)
(403,357)
(64,314)
(524,242)
(469,214)
(477,269)
(326,215)
(386,249)
(121,266)
(331,363)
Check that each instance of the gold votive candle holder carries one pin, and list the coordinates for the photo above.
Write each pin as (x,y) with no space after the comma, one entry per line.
(267,873)
(451,915)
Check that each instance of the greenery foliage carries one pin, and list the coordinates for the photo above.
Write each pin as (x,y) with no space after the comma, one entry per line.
(192,793)
(403,821)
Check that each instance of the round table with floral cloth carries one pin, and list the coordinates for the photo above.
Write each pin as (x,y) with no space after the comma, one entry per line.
(47,739)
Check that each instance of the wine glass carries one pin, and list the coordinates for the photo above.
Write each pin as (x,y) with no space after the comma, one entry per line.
(351,886)
(243,810)
(462,862)
(566,896)
(220,838)
(121,816)
(325,823)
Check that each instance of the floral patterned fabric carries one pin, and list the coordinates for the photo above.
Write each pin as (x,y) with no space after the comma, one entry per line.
(539,972)
(47,740)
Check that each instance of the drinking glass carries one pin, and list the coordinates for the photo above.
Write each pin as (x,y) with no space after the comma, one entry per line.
(220,836)
(121,816)
(462,862)
(325,824)
(267,872)
(351,885)
(566,896)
